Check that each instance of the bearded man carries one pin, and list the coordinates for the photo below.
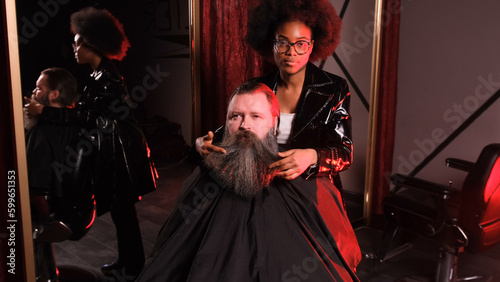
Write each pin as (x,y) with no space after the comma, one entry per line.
(62,202)
(249,141)
(234,221)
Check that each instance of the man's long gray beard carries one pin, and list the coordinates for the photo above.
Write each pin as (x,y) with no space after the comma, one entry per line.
(245,166)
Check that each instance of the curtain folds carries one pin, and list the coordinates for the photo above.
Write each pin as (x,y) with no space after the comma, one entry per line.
(226,60)
(386,118)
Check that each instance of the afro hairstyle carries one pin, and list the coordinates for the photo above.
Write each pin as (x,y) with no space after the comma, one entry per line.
(101,31)
(319,15)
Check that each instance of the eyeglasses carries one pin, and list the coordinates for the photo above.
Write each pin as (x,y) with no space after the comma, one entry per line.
(282,46)
(76,45)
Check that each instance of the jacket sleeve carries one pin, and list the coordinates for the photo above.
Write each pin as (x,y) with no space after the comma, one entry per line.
(66,116)
(336,155)
(109,98)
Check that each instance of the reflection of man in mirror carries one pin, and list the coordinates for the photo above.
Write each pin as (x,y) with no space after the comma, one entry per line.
(235,221)
(55,87)
(62,203)
(122,168)
(46,141)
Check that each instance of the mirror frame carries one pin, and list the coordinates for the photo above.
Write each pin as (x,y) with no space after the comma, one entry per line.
(374,102)
(194,37)
(20,148)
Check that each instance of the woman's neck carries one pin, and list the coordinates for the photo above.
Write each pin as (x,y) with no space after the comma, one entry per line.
(289,90)
(94,63)
(293,81)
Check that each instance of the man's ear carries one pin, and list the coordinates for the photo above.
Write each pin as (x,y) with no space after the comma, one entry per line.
(53,95)
(276,123)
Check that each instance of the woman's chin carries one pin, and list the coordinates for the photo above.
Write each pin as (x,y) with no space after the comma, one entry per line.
(291,68)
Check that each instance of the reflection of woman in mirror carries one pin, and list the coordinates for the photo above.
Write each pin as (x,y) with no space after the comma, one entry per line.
(315,125)
(123,171)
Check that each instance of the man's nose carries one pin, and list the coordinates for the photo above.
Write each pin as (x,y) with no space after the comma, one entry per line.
(245,125)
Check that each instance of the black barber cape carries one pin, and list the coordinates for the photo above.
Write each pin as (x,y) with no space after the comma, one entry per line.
(283,234)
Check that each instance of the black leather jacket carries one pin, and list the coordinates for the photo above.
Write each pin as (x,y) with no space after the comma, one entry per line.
(322,121)
(122,170)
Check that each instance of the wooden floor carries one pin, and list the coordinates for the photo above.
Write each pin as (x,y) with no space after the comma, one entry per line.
(416,264)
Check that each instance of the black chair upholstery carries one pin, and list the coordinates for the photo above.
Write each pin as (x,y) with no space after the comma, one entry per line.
(48,228)
(460,219)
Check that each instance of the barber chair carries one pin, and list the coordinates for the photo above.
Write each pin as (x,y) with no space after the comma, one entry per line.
(58,219)
(460,220)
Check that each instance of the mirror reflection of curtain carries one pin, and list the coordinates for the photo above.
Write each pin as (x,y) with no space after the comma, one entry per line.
(226,60)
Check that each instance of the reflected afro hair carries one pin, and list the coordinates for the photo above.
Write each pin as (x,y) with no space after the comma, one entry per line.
(101,31)
(318,15)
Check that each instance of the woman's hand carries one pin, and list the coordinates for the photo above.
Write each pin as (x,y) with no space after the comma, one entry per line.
(32,106)
(204,145)
(294,162)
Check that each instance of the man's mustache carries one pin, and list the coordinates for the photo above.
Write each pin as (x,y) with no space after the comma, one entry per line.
(245,166)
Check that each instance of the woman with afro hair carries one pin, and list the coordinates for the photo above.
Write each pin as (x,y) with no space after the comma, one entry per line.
(315,124)
(121,168)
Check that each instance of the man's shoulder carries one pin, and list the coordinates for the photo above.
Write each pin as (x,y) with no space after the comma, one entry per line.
(52,134)
(57,128)
(36,135)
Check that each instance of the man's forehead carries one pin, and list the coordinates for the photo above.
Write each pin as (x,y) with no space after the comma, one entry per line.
(256,98)
(41,79)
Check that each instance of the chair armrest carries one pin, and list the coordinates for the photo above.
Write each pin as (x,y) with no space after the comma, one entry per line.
(434,189)
(459,164)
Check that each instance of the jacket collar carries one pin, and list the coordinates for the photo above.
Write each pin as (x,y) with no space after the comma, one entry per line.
(97,73)
(316,77)
(318,90)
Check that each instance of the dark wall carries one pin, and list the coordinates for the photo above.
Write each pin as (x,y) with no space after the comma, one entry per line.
(45,38)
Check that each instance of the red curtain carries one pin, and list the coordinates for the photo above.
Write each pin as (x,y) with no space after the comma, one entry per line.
(226,60)
(386,117)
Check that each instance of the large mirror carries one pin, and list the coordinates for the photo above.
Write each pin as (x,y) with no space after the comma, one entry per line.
(157,71)
(160,71)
